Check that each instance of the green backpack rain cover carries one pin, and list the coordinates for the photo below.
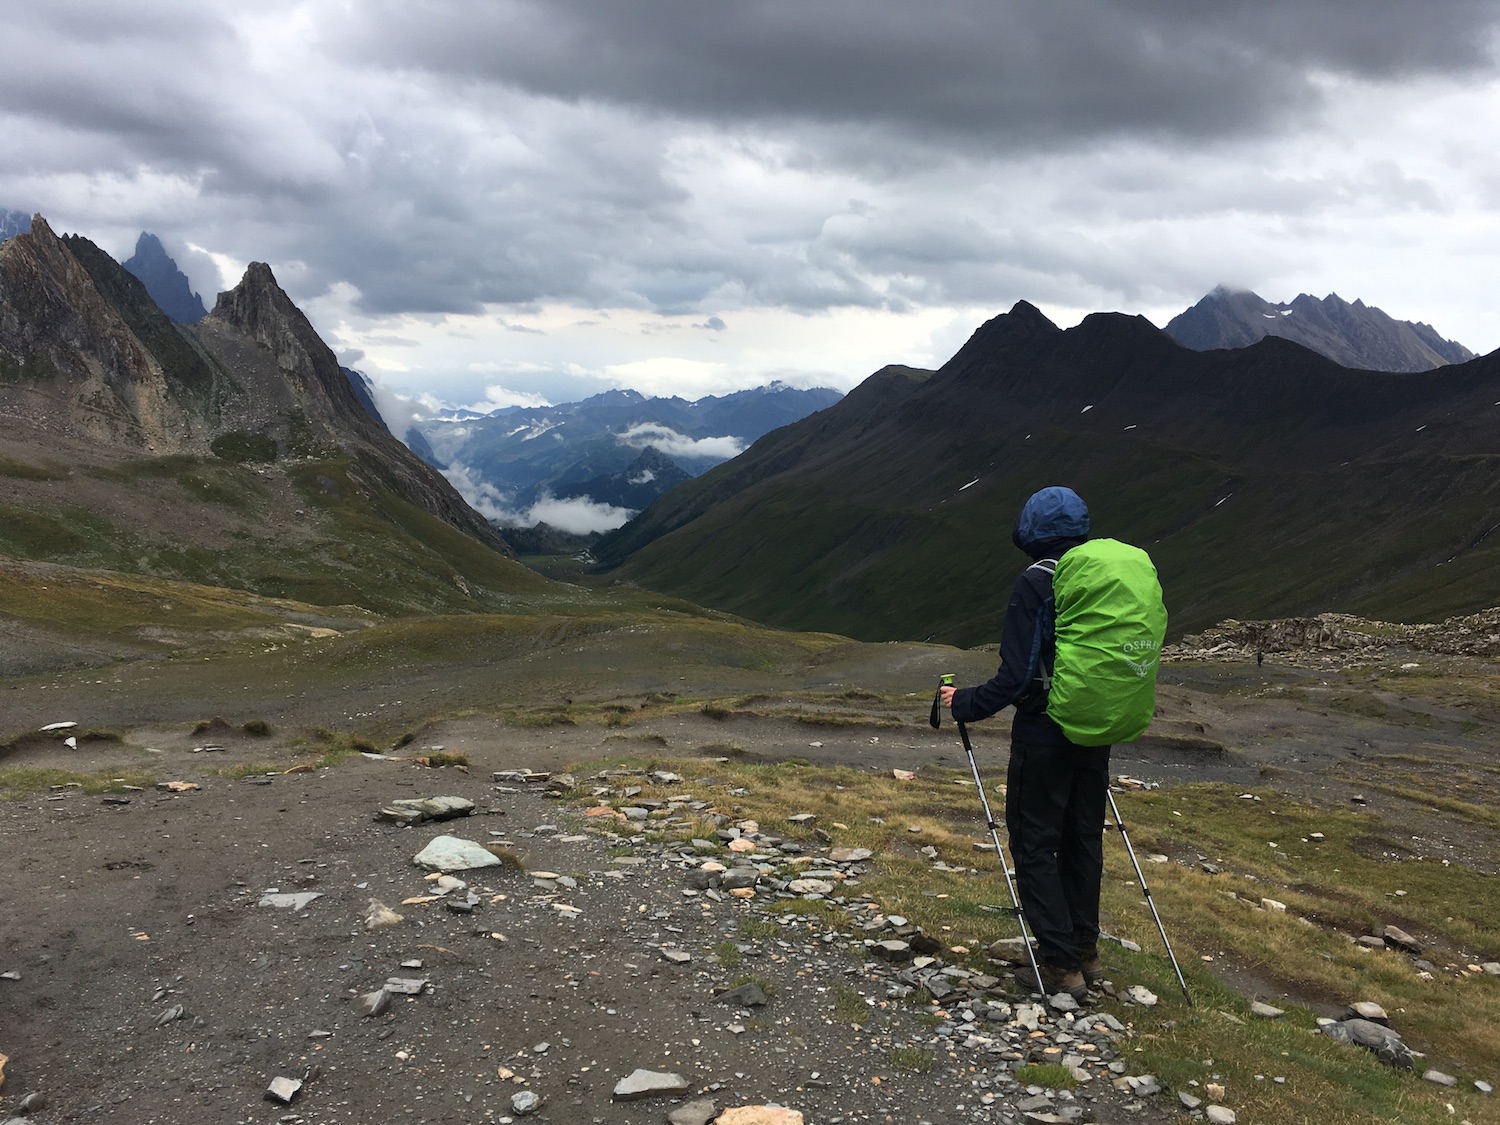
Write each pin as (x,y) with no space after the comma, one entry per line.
(1110,623)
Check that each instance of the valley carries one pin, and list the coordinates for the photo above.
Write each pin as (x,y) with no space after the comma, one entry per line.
(240,622)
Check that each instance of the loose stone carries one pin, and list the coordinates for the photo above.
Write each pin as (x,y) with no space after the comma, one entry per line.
(525,1102)
(745,996)
(283,1090)
(449,853)
(700,1112)
(759,1115)
(373,1003)
(290,901)
(649,1084)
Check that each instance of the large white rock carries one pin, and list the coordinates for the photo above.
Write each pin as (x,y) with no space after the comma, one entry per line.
(449,853)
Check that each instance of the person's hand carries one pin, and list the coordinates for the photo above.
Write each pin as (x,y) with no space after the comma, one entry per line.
(947,694)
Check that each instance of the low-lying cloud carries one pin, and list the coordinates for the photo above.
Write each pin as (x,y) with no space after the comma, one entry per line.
(673,444)
(578,515)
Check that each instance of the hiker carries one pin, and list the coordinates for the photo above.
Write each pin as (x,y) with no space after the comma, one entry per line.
(1055,788)
(1260,657)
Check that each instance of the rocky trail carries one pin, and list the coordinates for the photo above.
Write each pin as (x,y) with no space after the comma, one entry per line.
(166,962)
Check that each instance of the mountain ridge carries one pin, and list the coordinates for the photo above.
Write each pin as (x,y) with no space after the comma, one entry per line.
(890,523)
(1350,333)
(269,473)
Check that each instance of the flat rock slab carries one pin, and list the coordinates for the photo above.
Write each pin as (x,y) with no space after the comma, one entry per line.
(449,853)
(759,1115)
(435,808)
(700,1112)
(845,855)
(639,1084)
(290,901)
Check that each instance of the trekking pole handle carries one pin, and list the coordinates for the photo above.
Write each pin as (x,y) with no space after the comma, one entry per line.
(936,718)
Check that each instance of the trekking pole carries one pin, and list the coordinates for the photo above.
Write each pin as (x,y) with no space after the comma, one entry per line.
(989,819)
(1151,902)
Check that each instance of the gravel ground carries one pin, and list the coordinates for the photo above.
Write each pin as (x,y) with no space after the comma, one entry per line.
(118,915)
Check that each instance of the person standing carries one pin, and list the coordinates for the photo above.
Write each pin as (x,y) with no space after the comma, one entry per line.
(1055,789)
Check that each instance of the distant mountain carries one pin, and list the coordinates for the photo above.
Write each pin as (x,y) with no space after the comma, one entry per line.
(1265,481)
(634,487)
(529,451)
(1354,335)
(13,223)
(232,452)
(167,284)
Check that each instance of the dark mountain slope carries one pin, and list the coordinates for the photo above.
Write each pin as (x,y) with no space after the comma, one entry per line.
(1265,481)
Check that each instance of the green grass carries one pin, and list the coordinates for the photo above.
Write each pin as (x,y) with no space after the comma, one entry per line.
(24,781)
(1341,884)
(1051,1076)
(849,1005)
(914,1060)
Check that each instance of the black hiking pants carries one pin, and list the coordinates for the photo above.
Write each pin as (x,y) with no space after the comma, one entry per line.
(1054,812)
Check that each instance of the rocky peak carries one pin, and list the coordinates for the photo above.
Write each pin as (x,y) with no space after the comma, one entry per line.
(258,309)
(167,284)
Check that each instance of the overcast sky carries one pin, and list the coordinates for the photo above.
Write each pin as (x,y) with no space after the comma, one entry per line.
(485,201)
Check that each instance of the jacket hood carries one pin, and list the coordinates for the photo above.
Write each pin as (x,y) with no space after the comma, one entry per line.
(1052,517)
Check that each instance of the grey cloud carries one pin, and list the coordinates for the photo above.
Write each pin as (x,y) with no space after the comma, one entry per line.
(990,68)
(444,156)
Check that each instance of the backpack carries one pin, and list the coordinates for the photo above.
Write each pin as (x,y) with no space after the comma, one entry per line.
(1110,622)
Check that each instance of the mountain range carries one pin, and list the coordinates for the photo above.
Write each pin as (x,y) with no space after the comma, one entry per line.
(1265,481)
(232,452)
(572,450)
(1352,334)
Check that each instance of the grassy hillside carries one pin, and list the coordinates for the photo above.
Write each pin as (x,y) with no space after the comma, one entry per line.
(1264,482)
(315,530)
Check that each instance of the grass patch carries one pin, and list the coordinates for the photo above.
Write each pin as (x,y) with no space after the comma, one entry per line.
(914,1060)
(759,929)
(1050,1076)
(728,954)
(849,1005)
(26,781)
(257,727)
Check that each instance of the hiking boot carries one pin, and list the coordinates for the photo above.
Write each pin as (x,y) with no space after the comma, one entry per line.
(1092,969)
(1054,980)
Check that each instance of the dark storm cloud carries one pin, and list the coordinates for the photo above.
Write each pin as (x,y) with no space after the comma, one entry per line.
(994,69)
